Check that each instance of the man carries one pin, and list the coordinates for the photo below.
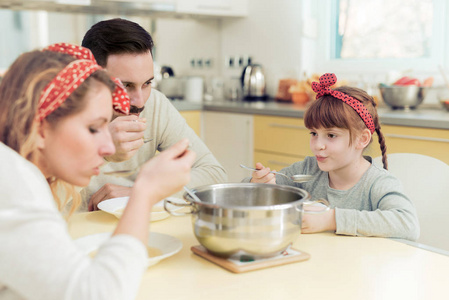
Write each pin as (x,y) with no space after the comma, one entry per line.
(124,49)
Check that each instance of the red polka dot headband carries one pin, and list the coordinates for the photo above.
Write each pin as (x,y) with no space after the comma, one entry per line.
(323,88)
(69,78)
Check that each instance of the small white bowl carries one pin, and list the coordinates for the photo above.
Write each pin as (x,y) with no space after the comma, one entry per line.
(115,206)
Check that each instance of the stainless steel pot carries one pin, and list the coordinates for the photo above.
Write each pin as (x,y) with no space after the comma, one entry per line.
(235,219)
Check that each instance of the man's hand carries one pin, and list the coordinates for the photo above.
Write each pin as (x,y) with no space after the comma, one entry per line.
(263,175)
(108,191)
(127,134)
(318,222)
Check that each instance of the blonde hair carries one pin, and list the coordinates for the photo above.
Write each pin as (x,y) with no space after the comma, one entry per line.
(20,91)
(328,112)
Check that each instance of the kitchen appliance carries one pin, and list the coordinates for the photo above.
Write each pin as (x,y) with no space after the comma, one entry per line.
(253,219)
(172,87)
(253,83)
(167,71)
(233,89)
(193,88)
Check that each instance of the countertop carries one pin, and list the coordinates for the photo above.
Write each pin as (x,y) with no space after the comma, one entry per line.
(429,116)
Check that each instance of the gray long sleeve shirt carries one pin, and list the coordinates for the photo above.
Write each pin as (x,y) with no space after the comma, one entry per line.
(375,206)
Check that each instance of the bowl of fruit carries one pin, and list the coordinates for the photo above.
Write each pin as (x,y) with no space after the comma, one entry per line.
(405,93)
(445,103)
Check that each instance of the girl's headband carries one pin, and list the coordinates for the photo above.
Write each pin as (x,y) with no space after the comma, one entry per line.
(74,74)
(322,88)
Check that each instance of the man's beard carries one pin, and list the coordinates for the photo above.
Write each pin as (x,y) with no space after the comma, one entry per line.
(136,110)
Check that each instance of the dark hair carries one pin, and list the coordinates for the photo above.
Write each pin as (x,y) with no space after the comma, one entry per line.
(116,36)
(328,111)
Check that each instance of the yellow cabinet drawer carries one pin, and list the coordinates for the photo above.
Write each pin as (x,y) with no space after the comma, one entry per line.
(193,119)
(275,161)
(426,141)
(281,135)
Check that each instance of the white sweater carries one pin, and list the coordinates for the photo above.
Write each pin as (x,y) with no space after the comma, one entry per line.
(165,126)
(39,260)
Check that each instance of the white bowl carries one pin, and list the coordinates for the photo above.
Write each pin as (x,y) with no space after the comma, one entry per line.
(168,245)
(115,206)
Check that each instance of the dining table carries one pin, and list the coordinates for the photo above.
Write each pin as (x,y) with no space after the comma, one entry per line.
(339,267)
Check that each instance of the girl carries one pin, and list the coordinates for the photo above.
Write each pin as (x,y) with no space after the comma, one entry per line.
(366,200)
(55,110)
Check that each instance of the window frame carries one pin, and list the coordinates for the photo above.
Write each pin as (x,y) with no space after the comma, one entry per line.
(439,52)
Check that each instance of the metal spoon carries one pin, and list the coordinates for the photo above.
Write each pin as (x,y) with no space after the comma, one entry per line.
(122,173)
(295,178)
(192,194)
(125,173)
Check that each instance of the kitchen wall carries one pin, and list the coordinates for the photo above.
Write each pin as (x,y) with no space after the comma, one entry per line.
(178,41)
(271,35)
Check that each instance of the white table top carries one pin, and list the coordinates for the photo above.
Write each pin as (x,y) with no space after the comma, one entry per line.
(340,267)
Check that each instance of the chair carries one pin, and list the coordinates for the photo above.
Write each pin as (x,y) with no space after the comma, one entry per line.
(426,181)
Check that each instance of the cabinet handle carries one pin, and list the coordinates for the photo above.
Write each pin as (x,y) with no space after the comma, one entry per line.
(287,126)
(276,162)
(420,138)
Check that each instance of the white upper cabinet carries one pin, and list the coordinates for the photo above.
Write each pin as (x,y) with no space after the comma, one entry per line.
(219,8)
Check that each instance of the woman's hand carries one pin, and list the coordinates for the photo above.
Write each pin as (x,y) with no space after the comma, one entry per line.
(166,173)
(318,222)
(263,175)
(158,178)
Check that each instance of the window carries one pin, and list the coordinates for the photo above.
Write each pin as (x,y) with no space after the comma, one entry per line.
(374,36)
(15,38)
(383,29)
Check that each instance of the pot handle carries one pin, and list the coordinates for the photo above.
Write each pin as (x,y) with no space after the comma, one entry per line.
(172,212)
(323,207)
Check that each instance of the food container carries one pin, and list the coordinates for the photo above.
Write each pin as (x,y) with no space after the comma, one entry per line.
(403,97)
(443,97)
(251,219)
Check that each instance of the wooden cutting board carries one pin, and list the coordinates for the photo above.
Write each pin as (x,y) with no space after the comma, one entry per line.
(291,255)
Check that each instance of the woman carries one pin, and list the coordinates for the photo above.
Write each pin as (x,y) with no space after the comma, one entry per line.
(55,110)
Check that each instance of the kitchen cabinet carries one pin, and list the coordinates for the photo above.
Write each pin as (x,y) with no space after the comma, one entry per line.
(224,8)
(229,137)
(404,139)
(193,119)
(280,141)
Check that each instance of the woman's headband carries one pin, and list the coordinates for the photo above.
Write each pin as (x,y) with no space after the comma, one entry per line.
(74,74)
(323,88)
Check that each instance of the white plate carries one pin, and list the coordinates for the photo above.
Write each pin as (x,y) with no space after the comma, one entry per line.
(115,207)
(167,244)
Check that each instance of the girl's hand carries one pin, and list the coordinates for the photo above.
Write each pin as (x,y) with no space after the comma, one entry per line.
(263,175)
(166,173)
(313,223)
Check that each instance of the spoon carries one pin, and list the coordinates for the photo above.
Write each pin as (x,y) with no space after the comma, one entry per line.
(124,173)
(295,178)
(147,140)
(192,194)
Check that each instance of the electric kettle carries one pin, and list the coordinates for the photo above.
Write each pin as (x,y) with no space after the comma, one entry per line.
(253,83)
